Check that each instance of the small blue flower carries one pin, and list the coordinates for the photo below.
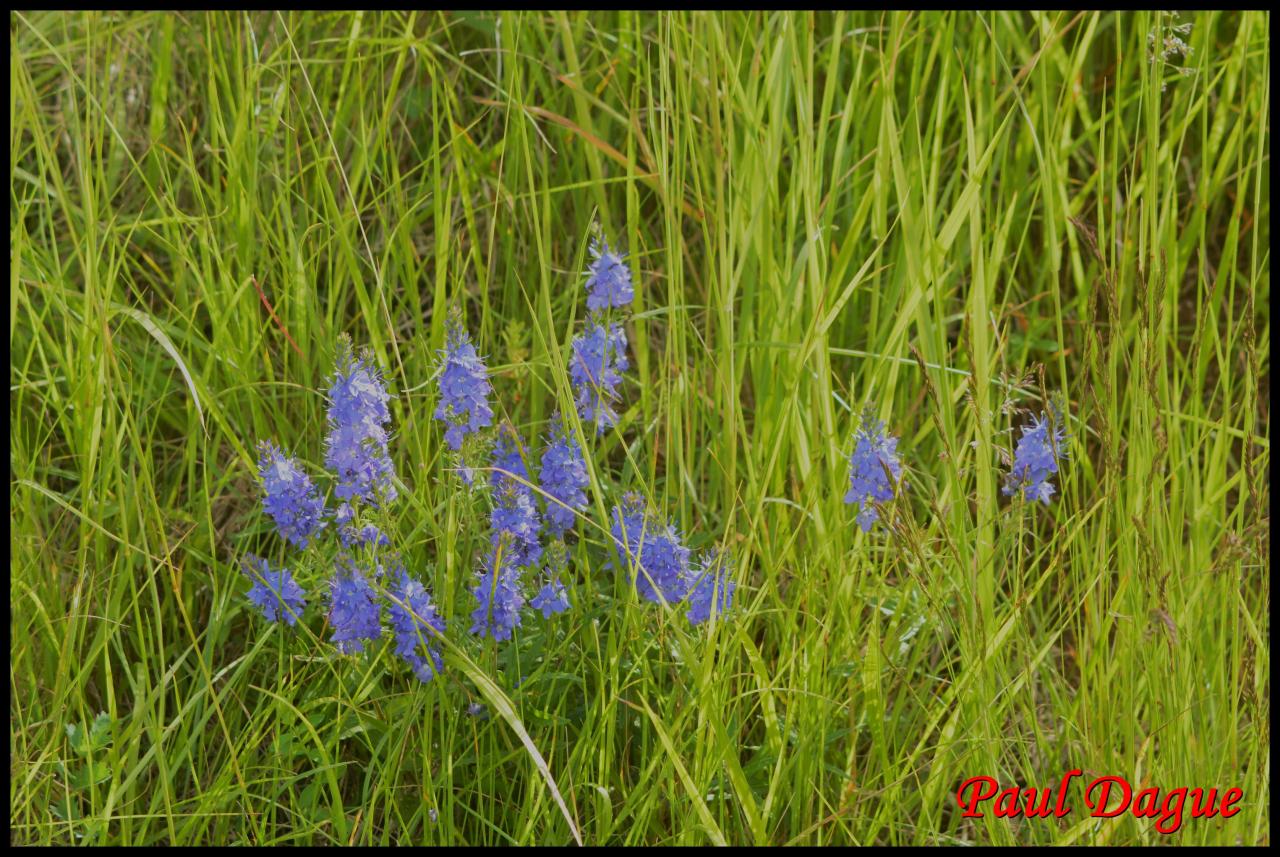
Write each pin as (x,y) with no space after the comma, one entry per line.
(356,446)
(275,593)
(661,559)
(515,513)
(515,519)
(608,279)
(509,459)
(498,595)
(352,536)
(629,520)
(464,387)
(551,599)
(563,475)
(414,622)
(289,496)
(353,609)
(711,590)
(667,565)
(369,534)
(599,357)
(1035,460)
(873,462)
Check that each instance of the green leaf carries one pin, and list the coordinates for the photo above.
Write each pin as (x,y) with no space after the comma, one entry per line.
(100,732)
(65,808)
(76,734)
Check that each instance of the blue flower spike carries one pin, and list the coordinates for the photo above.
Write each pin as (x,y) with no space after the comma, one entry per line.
(354,613)
(497,593)
(356,445)
(563,475)
(608,278)
(711,591)
(414,624)
(660,557)
(1035,460)
(874,470)
(595,370)
(274,592)
(464,387)
(289,496)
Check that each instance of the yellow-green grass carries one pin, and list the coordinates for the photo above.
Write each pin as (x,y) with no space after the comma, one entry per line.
(949,217)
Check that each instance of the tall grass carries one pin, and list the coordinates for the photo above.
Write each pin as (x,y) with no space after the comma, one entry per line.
(950,217)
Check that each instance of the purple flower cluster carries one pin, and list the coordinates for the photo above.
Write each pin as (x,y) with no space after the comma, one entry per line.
(663,572)
(608,279)
(464,387)
(356,452)
(563,475)
(275,593)
(353,609)
(366,535)
(498,594)
(596,364)
(515,514)
(356,446)
(874,468)
(660,558)
(711,590)
(414,622)
(1035,460)
(599,357)
(289,496)
(509,459)
(515,520)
